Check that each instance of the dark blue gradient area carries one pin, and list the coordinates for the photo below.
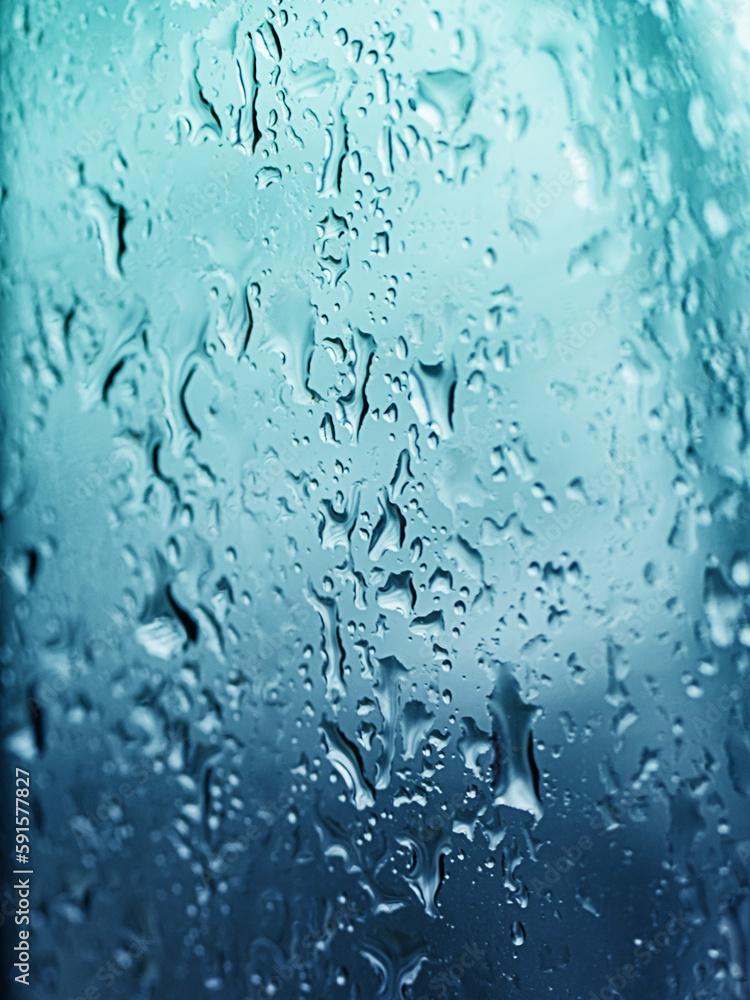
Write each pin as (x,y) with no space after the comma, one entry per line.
(374,500)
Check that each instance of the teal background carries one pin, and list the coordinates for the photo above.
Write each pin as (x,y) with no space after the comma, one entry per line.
(375,496)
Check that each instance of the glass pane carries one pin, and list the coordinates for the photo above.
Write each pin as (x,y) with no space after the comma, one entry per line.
(375,499)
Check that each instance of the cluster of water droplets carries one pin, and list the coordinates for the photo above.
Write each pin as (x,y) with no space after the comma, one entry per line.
(376,496)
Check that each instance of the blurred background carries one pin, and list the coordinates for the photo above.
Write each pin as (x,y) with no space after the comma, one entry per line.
(374,497)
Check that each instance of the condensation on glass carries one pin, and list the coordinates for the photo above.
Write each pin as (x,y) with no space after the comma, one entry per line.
(375,496)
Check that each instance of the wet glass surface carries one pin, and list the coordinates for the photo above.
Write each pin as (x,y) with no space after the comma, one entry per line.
(375,497)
